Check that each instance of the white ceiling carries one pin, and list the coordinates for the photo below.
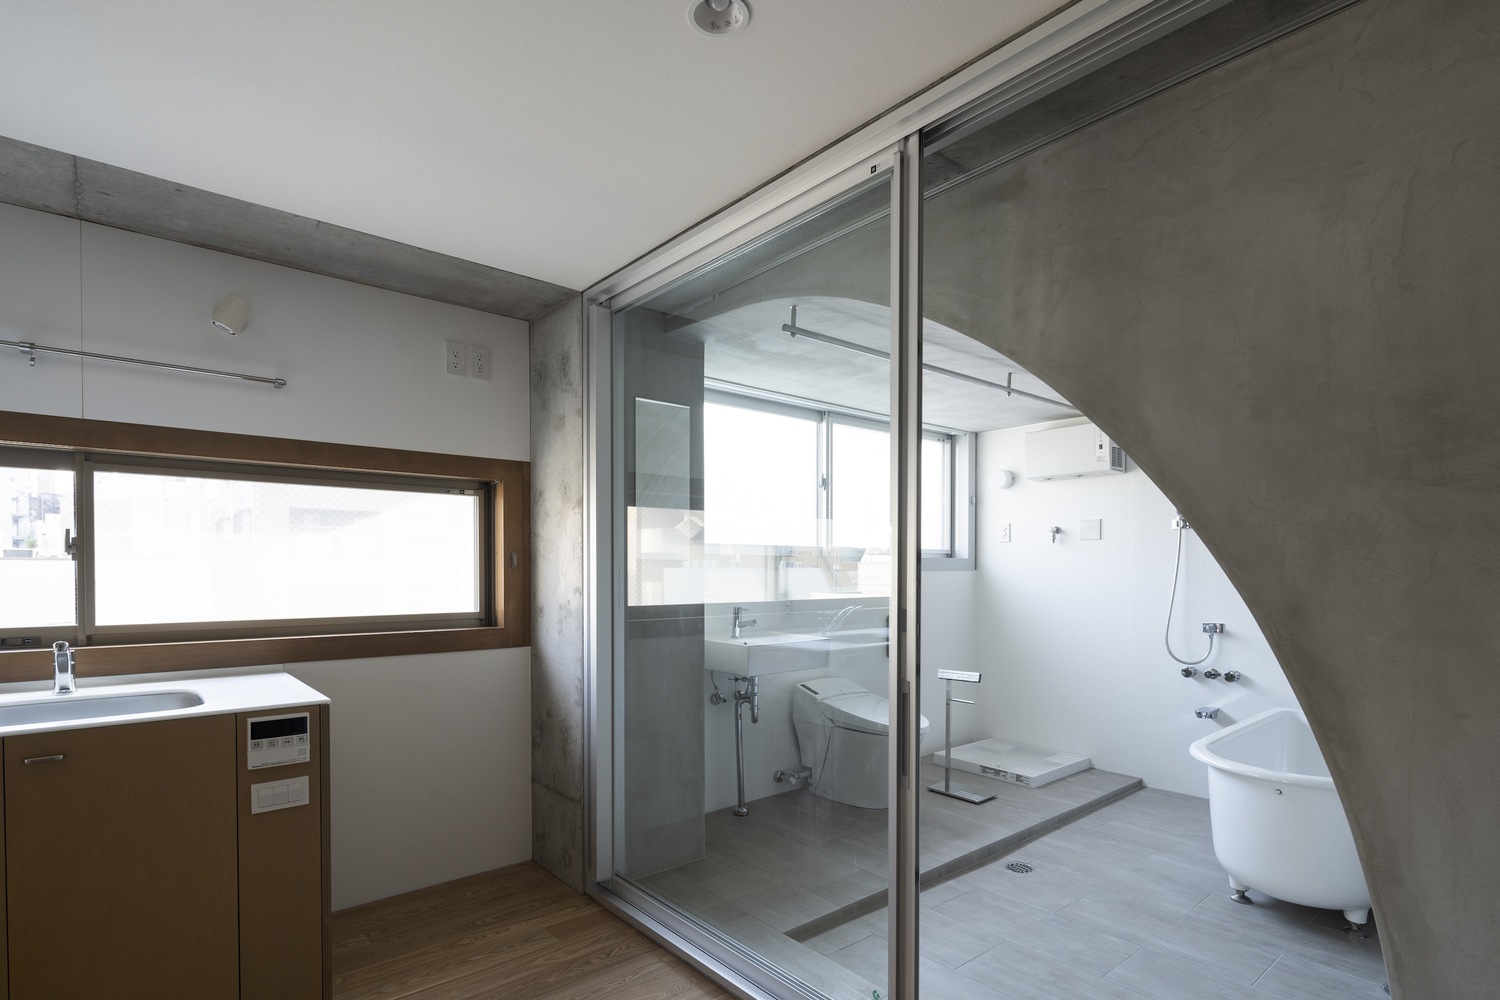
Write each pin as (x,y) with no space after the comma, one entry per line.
(559,140)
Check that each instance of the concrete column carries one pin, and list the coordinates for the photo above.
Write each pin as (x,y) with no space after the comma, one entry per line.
(557,718)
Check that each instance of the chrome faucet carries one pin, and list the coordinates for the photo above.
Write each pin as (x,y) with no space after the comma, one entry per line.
(62,669)
(739,623)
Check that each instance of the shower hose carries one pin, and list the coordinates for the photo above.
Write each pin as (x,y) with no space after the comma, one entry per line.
(1166,636)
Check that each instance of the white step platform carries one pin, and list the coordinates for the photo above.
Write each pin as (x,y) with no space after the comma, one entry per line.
(1017,762)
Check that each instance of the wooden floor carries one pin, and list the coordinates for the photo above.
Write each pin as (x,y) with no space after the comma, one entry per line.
(516,933)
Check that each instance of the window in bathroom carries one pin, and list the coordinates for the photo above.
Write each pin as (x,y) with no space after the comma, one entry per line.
(793,474)
(760,481)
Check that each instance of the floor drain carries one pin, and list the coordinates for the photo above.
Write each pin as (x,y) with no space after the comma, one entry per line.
(1019,867)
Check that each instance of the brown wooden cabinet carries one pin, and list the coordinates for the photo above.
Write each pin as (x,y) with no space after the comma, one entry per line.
(134,867)
(121,861)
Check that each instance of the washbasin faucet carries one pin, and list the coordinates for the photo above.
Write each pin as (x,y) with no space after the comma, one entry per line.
(739,623)
(62,669)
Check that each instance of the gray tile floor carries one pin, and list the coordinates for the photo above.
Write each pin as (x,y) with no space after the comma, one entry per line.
(1125,900)
(1122,904)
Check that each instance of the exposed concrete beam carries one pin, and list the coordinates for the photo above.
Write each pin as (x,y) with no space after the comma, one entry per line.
(51,181)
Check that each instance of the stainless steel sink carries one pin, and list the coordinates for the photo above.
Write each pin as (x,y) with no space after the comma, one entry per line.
(79,708)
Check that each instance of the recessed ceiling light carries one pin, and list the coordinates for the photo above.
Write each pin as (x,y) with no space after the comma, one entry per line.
(719,17)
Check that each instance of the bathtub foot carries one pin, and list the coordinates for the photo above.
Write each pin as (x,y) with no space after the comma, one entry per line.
(1239,897)
(1358,922)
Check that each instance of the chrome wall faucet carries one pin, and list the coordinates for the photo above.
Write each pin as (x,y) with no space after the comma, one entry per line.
(739,623)
(62,669)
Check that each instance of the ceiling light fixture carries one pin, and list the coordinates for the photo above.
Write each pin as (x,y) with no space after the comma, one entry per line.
(232,316)
(718,17)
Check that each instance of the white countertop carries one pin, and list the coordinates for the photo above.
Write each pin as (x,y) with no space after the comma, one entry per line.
(238,689)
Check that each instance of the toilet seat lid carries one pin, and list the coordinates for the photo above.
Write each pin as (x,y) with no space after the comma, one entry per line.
(861,711)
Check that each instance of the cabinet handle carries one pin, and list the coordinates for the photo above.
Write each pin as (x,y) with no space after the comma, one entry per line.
(43,760)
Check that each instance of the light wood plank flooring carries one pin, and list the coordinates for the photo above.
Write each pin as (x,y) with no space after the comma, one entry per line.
(516,933)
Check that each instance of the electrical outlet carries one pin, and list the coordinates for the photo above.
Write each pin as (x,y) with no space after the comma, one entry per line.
(479,362)
(455,358)
(1005,532)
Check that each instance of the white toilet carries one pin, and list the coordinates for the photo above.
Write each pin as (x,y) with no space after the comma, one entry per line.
(842,731)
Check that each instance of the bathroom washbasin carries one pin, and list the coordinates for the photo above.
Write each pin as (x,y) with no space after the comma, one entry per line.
(81,708)
(766,653)
(859,638)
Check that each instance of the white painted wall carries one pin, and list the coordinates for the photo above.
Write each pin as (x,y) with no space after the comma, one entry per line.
(1070,634)
(431,754)
(431,763)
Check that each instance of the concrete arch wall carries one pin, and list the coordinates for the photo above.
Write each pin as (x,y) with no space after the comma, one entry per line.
(1275,287)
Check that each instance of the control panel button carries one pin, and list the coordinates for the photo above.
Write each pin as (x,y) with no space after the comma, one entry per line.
(257,744)
(275,795)
(301,740)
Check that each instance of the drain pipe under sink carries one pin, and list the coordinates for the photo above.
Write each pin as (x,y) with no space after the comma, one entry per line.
(749,694)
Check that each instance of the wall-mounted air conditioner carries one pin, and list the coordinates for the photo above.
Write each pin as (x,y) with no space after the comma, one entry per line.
(1071,453)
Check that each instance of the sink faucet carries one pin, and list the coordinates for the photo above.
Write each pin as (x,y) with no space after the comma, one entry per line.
(739,623)
(62,669)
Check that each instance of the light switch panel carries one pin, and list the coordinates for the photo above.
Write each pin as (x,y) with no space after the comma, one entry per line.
(1091,530)
(271,795)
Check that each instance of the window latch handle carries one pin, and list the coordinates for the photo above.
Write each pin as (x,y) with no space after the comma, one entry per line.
(70,542)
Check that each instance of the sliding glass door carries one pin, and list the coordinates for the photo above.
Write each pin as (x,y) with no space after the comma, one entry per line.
(751,677)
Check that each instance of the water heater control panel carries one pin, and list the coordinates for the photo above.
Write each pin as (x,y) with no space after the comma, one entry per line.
(278,739)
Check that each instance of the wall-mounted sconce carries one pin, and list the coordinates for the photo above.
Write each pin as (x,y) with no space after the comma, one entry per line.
(232,316)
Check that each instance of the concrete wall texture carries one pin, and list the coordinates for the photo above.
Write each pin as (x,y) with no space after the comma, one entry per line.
(557,625)
(1275,287)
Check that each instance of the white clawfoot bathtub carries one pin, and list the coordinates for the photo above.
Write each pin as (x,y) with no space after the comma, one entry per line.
(1278,824)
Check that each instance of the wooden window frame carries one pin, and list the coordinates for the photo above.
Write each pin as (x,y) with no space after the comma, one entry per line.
(510,556)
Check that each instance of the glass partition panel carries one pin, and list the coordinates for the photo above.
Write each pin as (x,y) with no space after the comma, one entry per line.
(751,677)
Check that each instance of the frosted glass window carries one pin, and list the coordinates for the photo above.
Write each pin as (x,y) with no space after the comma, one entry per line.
(189,549)
(37,578)
(760,477)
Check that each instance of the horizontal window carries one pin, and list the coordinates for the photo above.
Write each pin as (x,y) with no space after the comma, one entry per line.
(112,549)
(820,477)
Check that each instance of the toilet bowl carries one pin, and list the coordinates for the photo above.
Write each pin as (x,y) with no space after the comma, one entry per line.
(842,733)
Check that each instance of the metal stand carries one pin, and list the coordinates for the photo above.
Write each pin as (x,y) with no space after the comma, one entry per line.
(945,787)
